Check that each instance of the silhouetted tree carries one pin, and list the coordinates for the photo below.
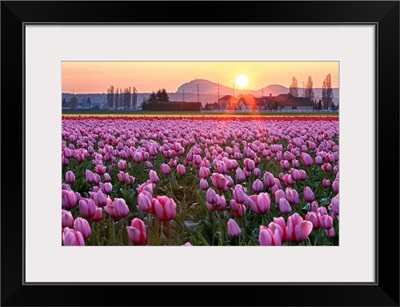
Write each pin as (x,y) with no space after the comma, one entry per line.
(294,88)
(73,102)
(89,102)
(110,96)
(309,92)
(162,95)
(134,98)
(152,98)
(327,93)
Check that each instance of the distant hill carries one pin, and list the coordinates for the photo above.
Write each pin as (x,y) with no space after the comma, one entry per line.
(208,91)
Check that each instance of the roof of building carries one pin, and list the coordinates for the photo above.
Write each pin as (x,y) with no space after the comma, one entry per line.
(289,100)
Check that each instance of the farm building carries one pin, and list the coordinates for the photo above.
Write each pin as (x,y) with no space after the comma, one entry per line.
(227,102)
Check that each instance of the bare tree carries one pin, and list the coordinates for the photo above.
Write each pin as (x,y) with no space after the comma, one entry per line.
(327,93)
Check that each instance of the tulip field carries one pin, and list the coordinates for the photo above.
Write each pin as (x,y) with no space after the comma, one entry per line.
(200,180)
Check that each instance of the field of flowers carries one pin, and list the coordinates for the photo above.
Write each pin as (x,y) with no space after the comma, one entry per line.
(187,181)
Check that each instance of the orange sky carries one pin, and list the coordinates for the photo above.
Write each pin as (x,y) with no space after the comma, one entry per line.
(96,77)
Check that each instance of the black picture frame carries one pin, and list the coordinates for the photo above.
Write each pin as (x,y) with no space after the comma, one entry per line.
(383,14)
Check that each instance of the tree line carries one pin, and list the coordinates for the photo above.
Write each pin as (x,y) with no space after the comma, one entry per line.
(125,98)
(326,101)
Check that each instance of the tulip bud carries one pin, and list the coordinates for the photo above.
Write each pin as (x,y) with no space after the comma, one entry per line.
(83,227)
(233,229)
(137,231)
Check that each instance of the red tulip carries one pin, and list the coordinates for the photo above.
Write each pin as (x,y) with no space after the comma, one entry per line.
(137,232)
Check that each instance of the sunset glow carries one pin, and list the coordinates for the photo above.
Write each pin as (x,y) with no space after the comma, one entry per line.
(96,77)
(242,80)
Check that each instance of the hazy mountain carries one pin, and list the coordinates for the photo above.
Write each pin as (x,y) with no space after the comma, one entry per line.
(208,92)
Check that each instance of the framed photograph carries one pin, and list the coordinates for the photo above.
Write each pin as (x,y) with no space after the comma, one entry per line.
(196,155)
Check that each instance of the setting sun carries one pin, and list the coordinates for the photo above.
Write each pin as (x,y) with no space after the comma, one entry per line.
(242,80)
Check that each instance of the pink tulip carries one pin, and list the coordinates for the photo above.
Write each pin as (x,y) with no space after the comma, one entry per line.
(308,194)
(267,237)
(137,157)
(327,221)
(326,183)
(187,244)
(278,195)
(144,200)
(106,188)
(326,167)
(284,206)
(181,169)
(303,174)
(165,208)
(330,233)
(69,199)
(204,172)
(107,177)
(318,160)
(122,165)
(203,184)
(121,208)
(257,172)
(87,207)
(219,181)
(153,176)
(306,159)
(69,177)
(269,179)
(233,229)
(137,232)
(98,215)
(257,186)
(259,203)
(67,219)
(315,219)
(292,196)
(334,206)
(335,186)
(100,199)
(100,170)
(249,164)
(295,174)
(238,210)
(240,176)
(83,227)
(165,169)
(280,221)
(121,177)
(298,229)
(239,194)
(72,237)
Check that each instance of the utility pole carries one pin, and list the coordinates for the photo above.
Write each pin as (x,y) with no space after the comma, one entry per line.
(198,94)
